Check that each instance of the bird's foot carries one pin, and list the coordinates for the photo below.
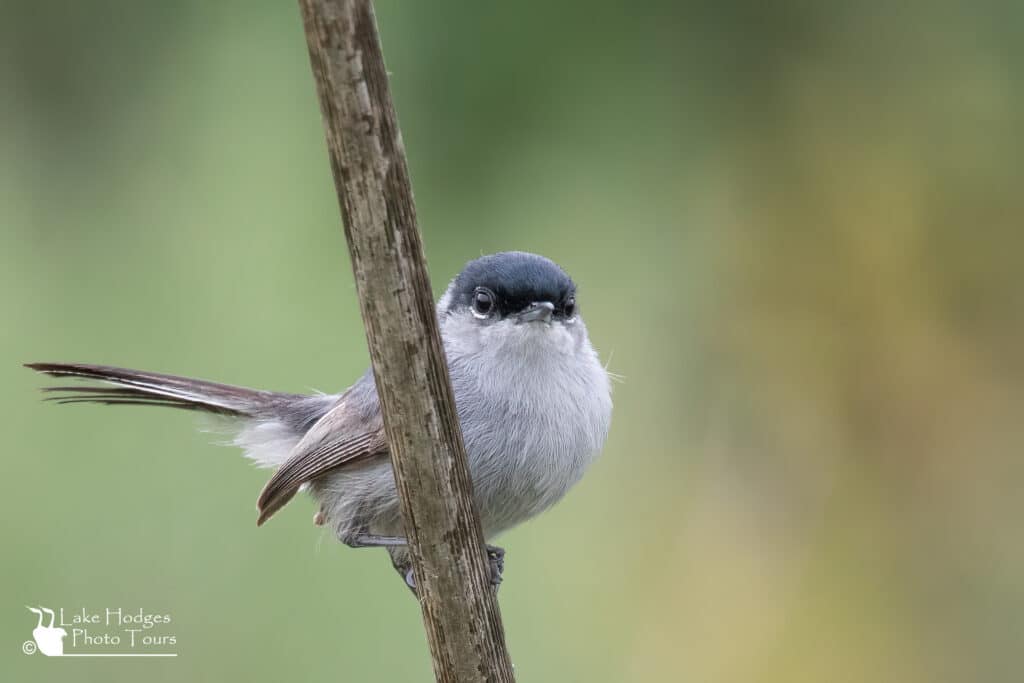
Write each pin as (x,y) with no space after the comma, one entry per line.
(496,559)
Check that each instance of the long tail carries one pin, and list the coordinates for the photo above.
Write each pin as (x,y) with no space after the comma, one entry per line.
(270,423)
(135,387)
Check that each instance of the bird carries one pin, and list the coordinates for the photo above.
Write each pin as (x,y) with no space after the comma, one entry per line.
(532,398)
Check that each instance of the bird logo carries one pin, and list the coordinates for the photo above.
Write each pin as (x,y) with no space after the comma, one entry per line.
(48,639)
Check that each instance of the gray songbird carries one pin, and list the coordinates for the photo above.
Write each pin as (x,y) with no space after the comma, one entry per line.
(532,397)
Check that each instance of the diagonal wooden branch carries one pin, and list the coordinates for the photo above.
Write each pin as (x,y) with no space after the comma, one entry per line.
(460,611)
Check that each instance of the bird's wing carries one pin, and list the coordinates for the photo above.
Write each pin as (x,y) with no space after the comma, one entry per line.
(352,431)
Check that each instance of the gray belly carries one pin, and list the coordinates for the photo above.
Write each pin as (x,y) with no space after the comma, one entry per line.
(522,462)
(525,484)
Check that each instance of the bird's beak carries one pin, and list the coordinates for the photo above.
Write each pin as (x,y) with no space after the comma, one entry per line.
(538,310)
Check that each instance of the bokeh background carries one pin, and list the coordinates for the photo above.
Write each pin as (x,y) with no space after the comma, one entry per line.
(797,230)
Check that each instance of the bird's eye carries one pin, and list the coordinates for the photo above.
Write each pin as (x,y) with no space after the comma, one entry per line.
(569,307)
(483,302)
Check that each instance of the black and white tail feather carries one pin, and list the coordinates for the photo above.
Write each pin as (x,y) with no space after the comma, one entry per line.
(268,423)
(302,437)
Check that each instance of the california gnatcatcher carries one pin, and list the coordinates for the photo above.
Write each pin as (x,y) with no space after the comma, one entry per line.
(533,400)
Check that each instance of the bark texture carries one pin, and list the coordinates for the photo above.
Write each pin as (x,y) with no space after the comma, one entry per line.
(460,610)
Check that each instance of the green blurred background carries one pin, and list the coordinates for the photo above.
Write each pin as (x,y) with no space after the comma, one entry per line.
(797,230)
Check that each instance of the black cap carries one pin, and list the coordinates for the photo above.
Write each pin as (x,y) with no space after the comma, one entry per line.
(516,278)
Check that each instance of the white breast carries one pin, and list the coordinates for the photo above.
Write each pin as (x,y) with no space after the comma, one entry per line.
(534,403)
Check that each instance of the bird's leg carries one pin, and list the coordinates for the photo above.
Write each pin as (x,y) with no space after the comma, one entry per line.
(396,547)
(495,555)
(374,541)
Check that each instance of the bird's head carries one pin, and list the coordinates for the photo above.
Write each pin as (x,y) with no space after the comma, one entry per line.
(512,299)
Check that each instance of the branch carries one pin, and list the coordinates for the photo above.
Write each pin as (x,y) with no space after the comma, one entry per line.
(460,611)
